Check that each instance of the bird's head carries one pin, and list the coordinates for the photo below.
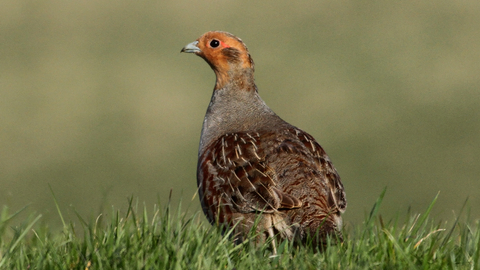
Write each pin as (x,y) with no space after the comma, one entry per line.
(226,54)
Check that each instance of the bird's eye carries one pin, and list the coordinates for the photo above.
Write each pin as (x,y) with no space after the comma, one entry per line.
(214,43)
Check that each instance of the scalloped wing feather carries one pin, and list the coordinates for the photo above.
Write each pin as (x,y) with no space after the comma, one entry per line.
(246,170)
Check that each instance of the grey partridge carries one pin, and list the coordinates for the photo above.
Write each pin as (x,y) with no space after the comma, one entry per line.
(256,171)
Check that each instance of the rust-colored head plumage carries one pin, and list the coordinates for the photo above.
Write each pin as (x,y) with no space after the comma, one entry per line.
(224,53)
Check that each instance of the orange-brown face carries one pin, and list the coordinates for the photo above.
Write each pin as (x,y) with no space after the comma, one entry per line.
(222,51)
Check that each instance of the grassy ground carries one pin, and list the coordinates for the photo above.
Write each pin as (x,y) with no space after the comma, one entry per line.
(167,239)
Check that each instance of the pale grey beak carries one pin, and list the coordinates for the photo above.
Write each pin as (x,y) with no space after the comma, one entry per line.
(191,48)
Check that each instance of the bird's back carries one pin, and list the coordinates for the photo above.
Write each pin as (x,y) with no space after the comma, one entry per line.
(279,171)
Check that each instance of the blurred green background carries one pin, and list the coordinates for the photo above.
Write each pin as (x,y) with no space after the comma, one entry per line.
(97,101)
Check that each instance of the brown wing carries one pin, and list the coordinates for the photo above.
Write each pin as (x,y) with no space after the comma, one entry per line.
(325,167)
(233,177)
(250,172)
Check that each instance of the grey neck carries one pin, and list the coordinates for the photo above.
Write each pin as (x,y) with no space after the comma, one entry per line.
(233,110)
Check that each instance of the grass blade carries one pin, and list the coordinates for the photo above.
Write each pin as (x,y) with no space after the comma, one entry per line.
(58,207)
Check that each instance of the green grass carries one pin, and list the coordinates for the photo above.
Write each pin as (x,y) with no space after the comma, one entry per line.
(168,239)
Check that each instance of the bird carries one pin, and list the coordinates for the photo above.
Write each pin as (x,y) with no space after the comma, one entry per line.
(256,172)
